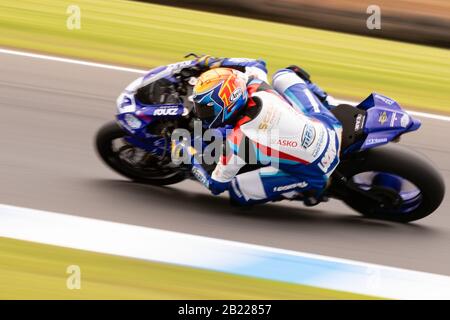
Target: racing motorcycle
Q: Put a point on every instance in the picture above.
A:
(375, 177)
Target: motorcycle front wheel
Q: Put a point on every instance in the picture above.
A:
(132, 162)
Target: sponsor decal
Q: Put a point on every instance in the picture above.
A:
(228, 91)
(126, 102)
(308, 136)
(235, 94)
(393, 118)
(165, 112)
(359, 122)
(404, 121)
(382, 118)
(385, 100)
(287, 143)
(319, 144)
(126, 126)
(375, 141)
(267, 119)
(301, 185)
(330, 154)
(132, 121)
(198, 174)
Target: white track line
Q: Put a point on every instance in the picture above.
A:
(220, 255)
(411, 112)
(429, 115)
(72, 61)
(141, 71)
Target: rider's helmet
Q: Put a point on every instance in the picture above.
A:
(219, 95)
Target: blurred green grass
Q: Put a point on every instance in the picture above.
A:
(35, 271)
(145, 35)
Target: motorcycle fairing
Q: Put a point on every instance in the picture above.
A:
(385, 120)
(165, 72)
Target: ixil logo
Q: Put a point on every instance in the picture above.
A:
(165, 112)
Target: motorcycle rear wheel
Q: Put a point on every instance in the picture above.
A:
(391, 167)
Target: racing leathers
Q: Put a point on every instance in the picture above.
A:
(286, 130)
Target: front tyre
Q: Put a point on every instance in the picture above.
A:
(132, 162)
(409, 185)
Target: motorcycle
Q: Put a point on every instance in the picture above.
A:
(375, 177)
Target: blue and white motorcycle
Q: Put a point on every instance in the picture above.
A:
(377, 178)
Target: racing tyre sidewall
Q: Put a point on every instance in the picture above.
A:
(407, 164)
(103, 142)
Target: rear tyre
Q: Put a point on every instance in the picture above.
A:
(150, 174)
(389, 164)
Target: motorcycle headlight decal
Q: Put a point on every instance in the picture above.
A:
(132, 121)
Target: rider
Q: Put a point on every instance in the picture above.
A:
(287, 125)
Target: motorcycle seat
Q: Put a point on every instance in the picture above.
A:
(352, 120)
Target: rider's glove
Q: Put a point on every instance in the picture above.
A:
(201, 64)
(182, 151)
(179, 154)
(204, 178)
(206, 62)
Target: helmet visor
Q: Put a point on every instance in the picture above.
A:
(204, 111)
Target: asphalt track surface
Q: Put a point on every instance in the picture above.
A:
(50, 112)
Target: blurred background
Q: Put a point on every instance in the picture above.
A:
(52, 110)
(419, 21)
(346, 65)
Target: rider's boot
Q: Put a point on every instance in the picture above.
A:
(318, 92)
